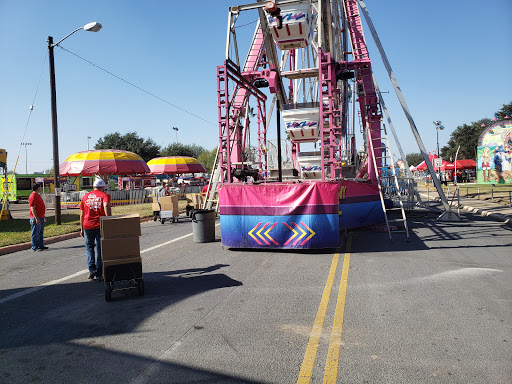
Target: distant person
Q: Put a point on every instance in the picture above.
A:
(94, 205)
(443, 179)
(37, 218)
(204, 191)
(163, 190)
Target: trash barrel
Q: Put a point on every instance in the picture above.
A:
(203, 225)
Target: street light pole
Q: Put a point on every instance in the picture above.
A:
(176, 129)
(439, 126)
(26, 156)
(55, 134)
(88, 137)
(93, 27)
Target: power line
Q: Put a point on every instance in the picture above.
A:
(245, 25)
(136, 86)
(31, 109)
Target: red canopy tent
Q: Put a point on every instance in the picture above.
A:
(465, 164)
(445, 167)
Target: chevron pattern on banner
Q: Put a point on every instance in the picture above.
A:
(257, 233)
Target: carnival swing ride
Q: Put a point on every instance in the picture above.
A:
(304, 63)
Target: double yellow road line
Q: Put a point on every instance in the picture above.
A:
(331, 365)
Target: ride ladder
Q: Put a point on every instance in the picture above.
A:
(330, 137)
(386, 181)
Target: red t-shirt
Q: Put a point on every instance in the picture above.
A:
(93, 206)
(34, 200)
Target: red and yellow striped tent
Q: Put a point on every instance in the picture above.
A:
(103, 162)
(175, 164)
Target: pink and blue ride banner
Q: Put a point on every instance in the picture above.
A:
(280, 215)
(360, 204)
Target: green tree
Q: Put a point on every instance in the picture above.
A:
(179, 149)
(145, 148)
(207, 158)
(466, 136)
(414, 158)
(504, 111)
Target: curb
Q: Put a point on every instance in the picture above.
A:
(491, 215)
(49, 240)
(494, 216)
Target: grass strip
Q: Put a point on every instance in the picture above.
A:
(17, 231)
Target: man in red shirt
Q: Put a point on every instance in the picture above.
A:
(37, 218)
(94, 205)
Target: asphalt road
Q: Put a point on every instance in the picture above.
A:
(437, 309)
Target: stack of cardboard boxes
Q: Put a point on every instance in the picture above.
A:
(195, 200)
(155, 206)
(168, 206)
(120, 241)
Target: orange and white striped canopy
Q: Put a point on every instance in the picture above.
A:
(175, 164)
(103, 162)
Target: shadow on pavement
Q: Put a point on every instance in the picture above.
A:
(377, 240)
(60, 363)
(78, 310)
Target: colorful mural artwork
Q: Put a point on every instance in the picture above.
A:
(494, 154)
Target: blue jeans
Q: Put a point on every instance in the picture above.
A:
(92, 239)
(37, 233)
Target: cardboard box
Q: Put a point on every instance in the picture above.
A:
(168, 199)
(109, 263)
(120, 248)
(155, 207)
(189, 197)
(168, 204)
(113, 227)
(169, 208)
(197, 201)
(155, 199)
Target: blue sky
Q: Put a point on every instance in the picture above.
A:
(452, 59)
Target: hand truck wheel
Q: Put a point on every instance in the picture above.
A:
(108, 291)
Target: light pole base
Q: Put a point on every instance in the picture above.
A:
(449, 216)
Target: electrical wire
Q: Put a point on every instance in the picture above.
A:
(31, 109)
(6, 196)
(245, 25)
(136, 86)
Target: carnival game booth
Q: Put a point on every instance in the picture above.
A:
(175, 165)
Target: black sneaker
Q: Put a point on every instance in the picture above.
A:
(43, 248)
(98, 278)
(92, 275)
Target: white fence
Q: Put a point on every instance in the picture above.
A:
(123, 197)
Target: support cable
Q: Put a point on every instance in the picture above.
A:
(450, 215)
(136, 86)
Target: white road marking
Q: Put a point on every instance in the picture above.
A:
(38, 287)
(53, 282)
(164, 244)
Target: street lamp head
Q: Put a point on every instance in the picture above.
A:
(92, 27)
(441, 127)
